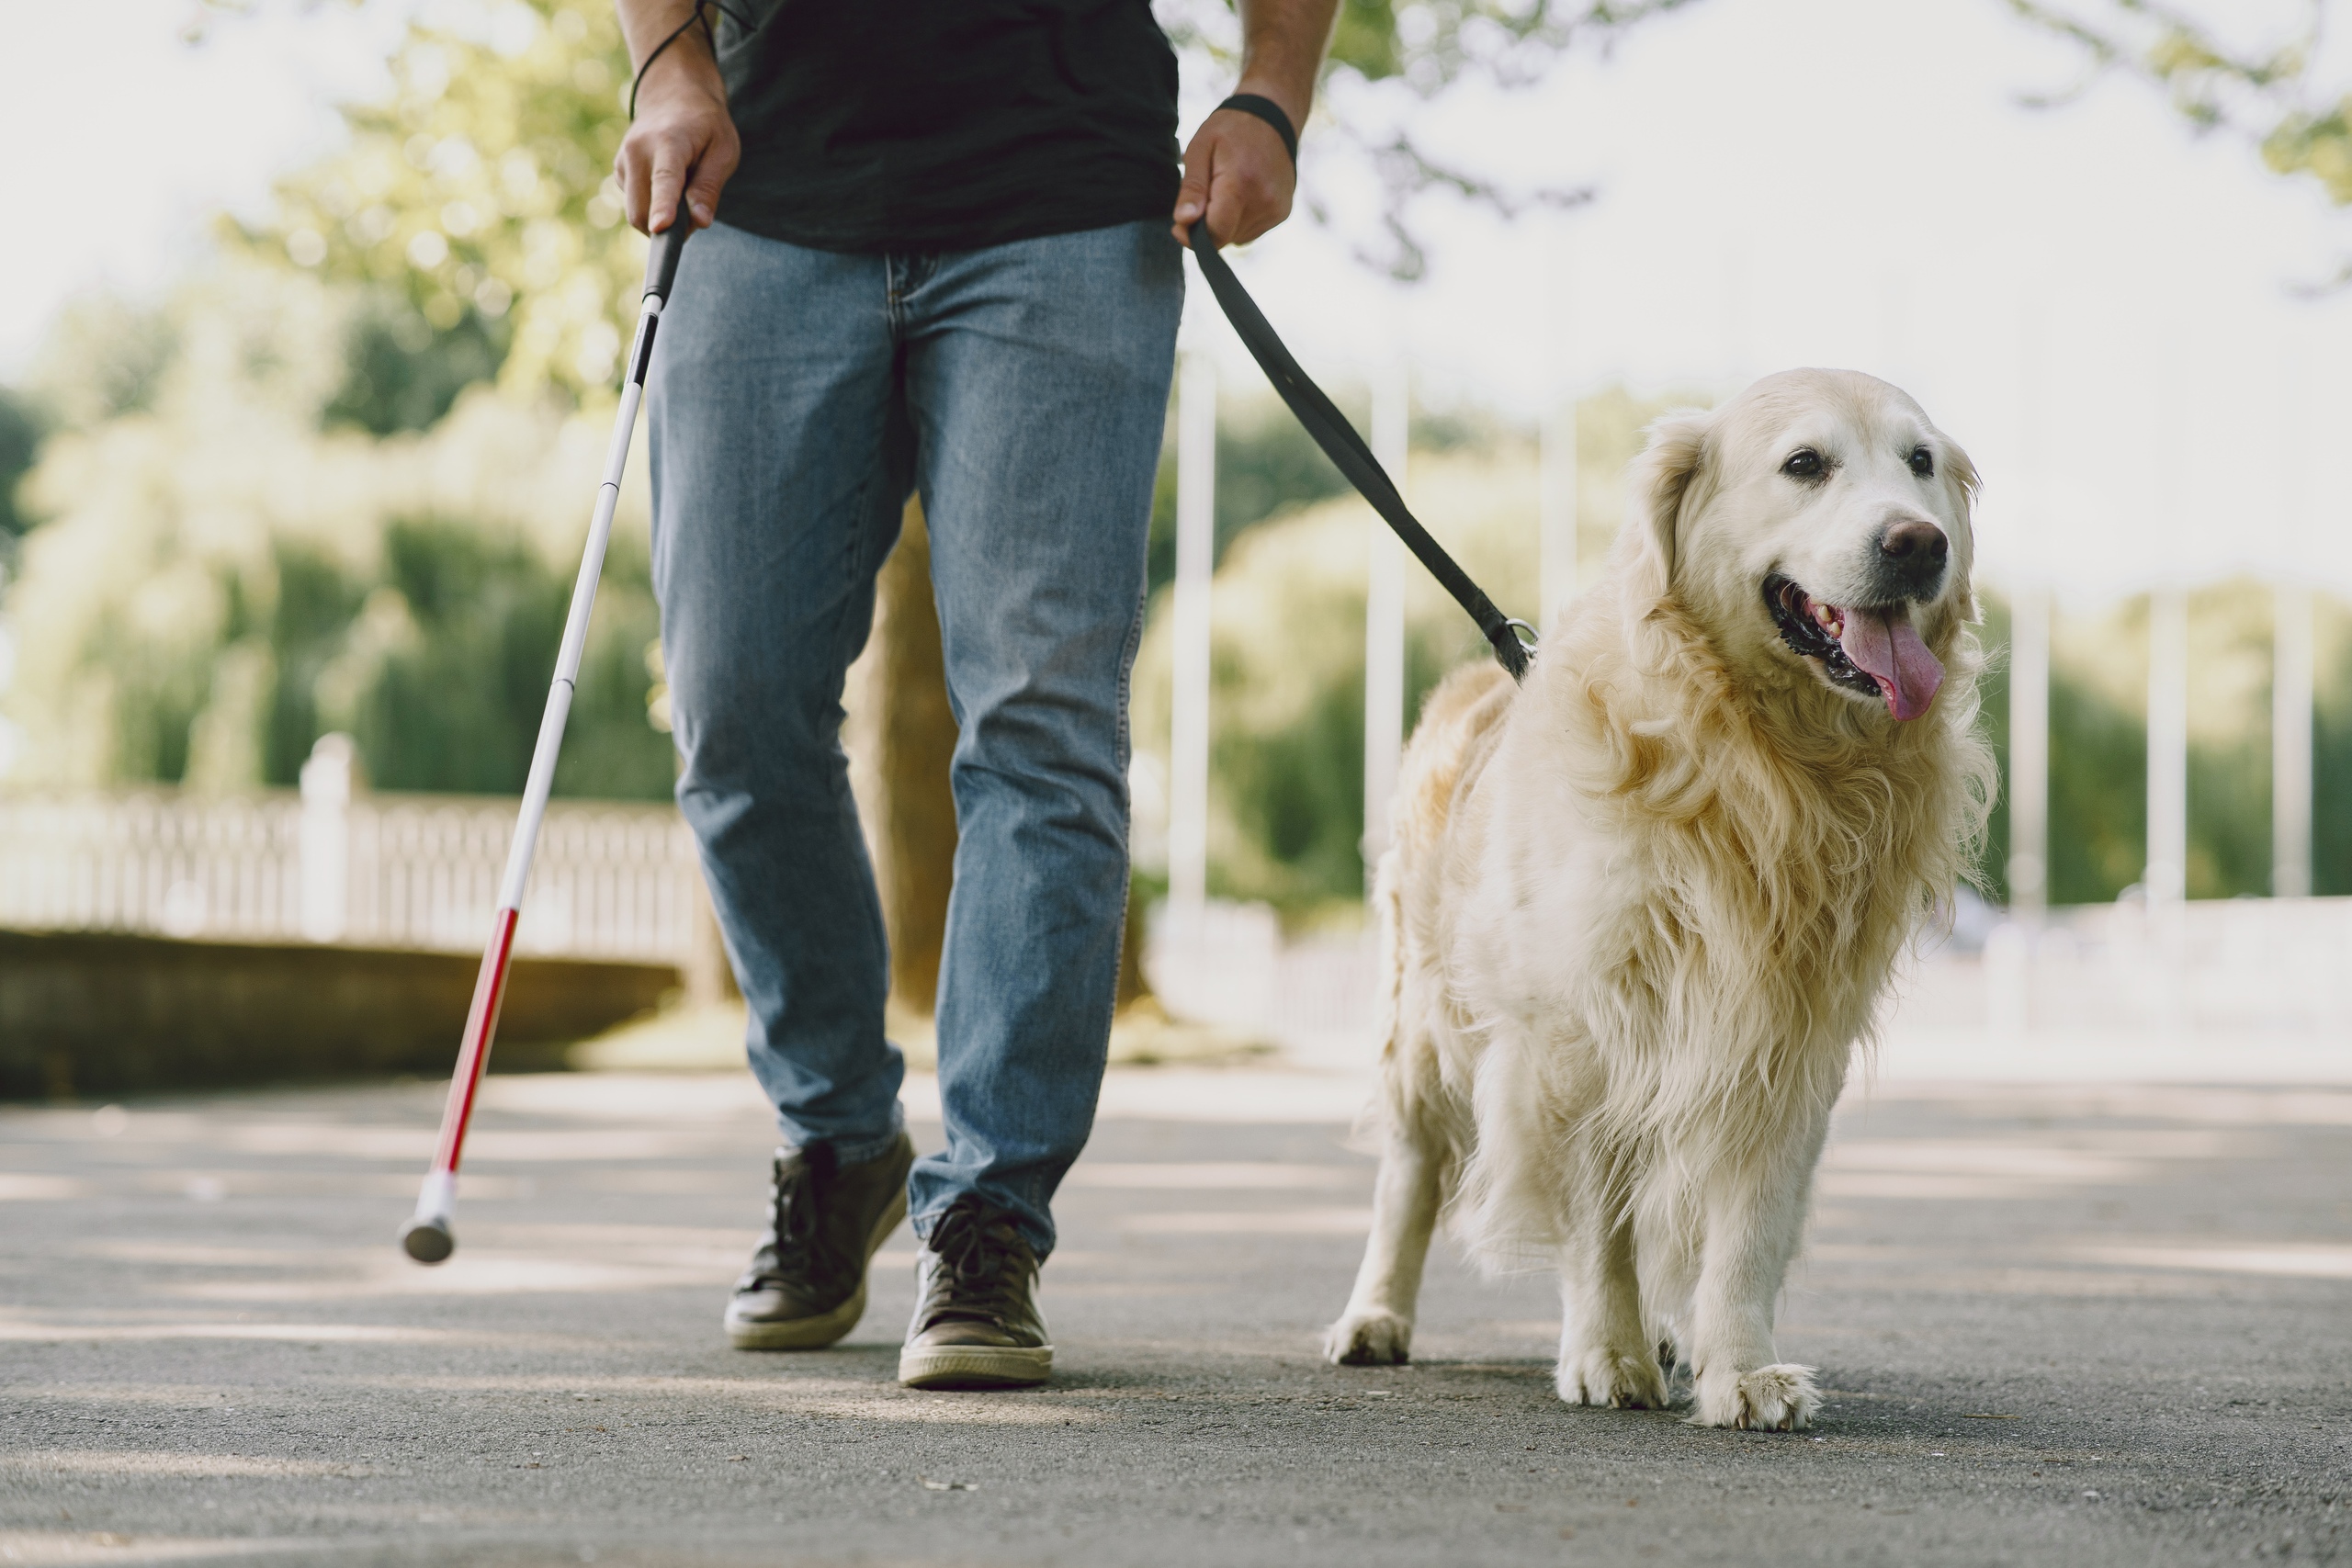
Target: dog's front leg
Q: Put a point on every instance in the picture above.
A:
(1377, 1327)
(1754, 1219)
(1607, 1356)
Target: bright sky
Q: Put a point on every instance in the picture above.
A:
(1781, 182)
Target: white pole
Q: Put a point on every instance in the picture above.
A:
(327, 778)
(2008, 948)
(1384, 623)
(2029, 868)
(2029, 612)
(2166, 879)
(1558, 570)
(2290, 650)
(1557, 509)
(1188, 784)
(2291, 741)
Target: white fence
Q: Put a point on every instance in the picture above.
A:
(2217, 976)
(2262, 964)
(1229, 965)
(611, 880)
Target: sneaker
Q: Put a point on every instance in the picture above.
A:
(976, 1324)
(806, 1287)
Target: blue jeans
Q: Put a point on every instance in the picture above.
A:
(795, 397)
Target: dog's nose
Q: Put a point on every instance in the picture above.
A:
(1911, 555)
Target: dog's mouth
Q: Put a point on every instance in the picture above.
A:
(1871, 651)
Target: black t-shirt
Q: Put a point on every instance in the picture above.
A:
(947, 125)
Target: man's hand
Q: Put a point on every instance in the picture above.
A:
(1236, 171)
(682, 128)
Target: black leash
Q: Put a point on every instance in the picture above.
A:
(1340, 443)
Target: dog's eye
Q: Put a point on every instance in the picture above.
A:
(1922, 462)
(1804, 463)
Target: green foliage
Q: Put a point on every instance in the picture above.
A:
(1430, 43)
(2332, 752)
(1425, 47)
(2265, 90)
(1363, 38)
(402, 375)
(1287, 607)
(2098, 793)
(1287, 687)
(477, 202)
(1266, 464)
(236, 558)
(104, 357)
(272, 506)
(20, 433)
(1286, 704)
(458, 609)
(2099, 758)
(215, 582)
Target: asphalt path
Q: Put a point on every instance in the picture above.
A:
(2063, 1326)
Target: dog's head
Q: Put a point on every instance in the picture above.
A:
(1819, 519)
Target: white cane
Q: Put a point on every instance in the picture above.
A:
(427, 1236)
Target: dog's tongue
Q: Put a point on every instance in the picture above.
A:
(1887, 649)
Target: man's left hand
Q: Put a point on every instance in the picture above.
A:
(1236, 171)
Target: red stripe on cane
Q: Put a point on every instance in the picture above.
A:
(482, 1023)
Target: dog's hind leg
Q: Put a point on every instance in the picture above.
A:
(1377, 1327)
(1608, 1355)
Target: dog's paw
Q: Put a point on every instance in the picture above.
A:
(1369, 1339)
(1781, 1398)
(1623, 1382)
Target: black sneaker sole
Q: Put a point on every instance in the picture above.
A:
(975, 1366)
(816, 1332)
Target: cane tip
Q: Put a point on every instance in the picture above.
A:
(428, 1241)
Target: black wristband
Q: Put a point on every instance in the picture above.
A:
(1272, 113)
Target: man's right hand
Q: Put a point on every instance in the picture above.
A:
(682, 128)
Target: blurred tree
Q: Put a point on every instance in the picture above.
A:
(401, 376)
(2099, 757)
(2332, 752)
(1287, 712)
(214, 581)
(20, 433)
(2220, 74)
(476, 203)
(1423, 49)
(477, 196)
(1286, 762)
(1266, 464)
(206, 621)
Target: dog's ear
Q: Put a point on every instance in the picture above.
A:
(1660, 483)
(1959, 473)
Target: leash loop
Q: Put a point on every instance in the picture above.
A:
(1513, 641)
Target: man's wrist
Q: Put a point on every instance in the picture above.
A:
(686, 69)
(1270, 112)
(1291, 99)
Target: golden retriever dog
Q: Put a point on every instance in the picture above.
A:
(1639, 911)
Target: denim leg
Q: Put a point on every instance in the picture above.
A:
(1037, 377)
(781, 456)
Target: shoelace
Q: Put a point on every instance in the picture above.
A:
(985, 1256)
(796, 1202)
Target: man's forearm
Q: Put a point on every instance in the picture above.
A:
(1282, 51)
(645, 23)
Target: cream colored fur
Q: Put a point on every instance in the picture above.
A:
(1640, 912)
